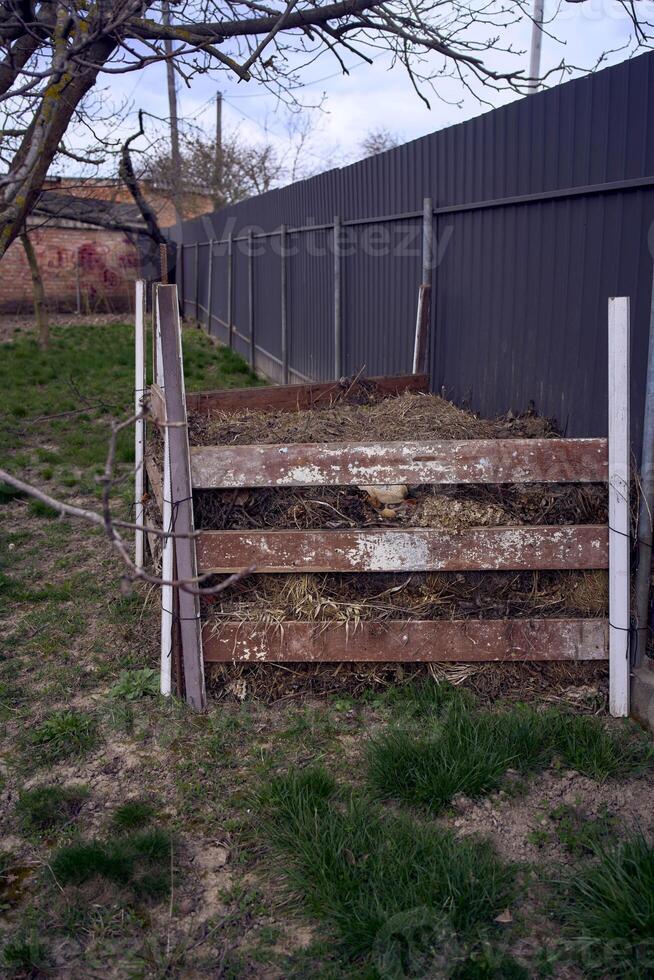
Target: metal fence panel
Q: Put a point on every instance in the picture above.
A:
(542, 209)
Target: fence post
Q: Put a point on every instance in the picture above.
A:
(139, 425)
(283, 288)
(646, 505)
(179, 279)
(181, 494)
(230, 291)
(619, 535)
(251, 300)
(427, 272)
(210, 286)
(197, 282)
(338, 302)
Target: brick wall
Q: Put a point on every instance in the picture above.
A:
(107, 262)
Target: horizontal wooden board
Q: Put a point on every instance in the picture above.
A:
(290, 398)
(405, 549)
(446, 461)
(281, 398)
(409, 641)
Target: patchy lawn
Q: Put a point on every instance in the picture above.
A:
(411, 831)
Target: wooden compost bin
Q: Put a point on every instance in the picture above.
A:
(365, 550)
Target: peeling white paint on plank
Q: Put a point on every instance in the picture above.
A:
(409, 641)
(405, 549)
(438, 462)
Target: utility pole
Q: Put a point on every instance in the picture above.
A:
(172, 111)
(219, 196)
(536, 43)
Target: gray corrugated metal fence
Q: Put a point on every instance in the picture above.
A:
(541, 210)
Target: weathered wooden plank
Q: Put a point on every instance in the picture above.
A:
(405, 549)
(290, 398)
(180, 494)
(409, 641)
(157, 404)
(281, 398)
(154, 478)
(445, 461)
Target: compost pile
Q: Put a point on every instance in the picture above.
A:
(361, 416)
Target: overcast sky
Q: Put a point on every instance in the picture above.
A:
(376, 95)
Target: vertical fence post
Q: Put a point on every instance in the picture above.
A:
(179, 278)
(197, 282)
(251, 300)
(427, 274)
(619, 538)
(338, 302)
(139, 425)
(646, 506)
(181, 495)
(284, 300)
(230, 290)
(168, 544)
(210, 287)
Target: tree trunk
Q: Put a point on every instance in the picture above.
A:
(39, 146)
(40, 308)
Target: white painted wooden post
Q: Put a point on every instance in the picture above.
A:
(619, 539)
(167, 565)
(168, 549)
(139, 427)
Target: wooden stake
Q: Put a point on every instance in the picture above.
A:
(139, 427)
(167, 566)
(421, 343)
(619, 535)
(181, 493)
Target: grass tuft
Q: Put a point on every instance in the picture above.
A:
(387, 885)
(460, 748)
(610, 911)
(24, 955)
(140, 861)
(135, 684)
(64, 734)
(133, 815)
(46, 807)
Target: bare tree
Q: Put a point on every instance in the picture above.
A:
(377, 141)
(247, 167)
(54, 52)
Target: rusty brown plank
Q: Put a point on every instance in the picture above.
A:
(405, 549)
(154, 479)
(409, 641)
(439, 462)
(290, 398)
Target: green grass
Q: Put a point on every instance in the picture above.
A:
(88, 371)
(461, 748)
(47, 807)
(581, 834)
(610, 911)
(64, 734)
(24, 955)
(391, 889)
(139, 862)
(133, 815)
(135, 684)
